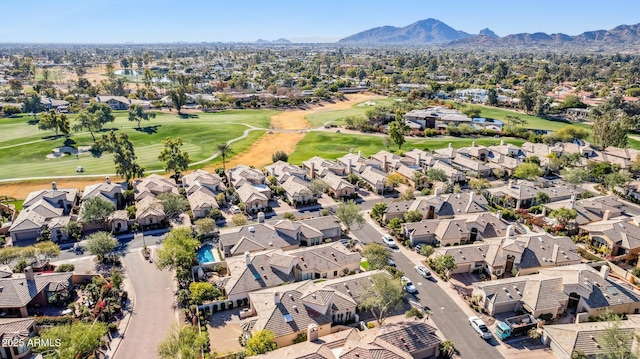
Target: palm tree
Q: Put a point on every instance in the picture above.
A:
(447, 349)
(224, 149)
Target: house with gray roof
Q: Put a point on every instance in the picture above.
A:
(45, 209)
(106, 190)
(25, 292)
(297, 191)
(17, 330)
(257, 237)
(242, 174)
(375, 178)
(338, 186)
(320, 167)
(201, 178)
(621, 236)
(566, 339)
(453, 174)
(592, 209)
(282, 171)
(471, 167)
(153, 186)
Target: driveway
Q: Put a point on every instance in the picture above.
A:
(152, 313)
(224, 330)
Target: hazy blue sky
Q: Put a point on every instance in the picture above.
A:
(64, 21)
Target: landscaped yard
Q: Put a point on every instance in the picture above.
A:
(24, 147)
(336, 117)
(333, 145)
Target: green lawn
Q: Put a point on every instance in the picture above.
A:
(199, 134)
(333, 145)
(337, 116)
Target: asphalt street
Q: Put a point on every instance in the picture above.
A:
(450, 319)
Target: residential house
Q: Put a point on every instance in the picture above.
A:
(471, 167)
(508, 164)
(389, 161)
(153, 186)
(413, 175)
(16, 330)
(298, 192)
(45, 209)
(375, 178)
(115, 102)
(242, 174)
(591, 210)
(325, 261)
(50, 104)
(201, 201)
(108, 191)
(356, 163)
(119, 221)
(320, 167)
(620, 236)
(329, 226)
(150, 213)
(396, 209)
(24, 293)
(258, 237)
(506, 149)
(289, 310)
(421, 158)
(201, 178)
(567, 339)
(251, 196)
(555, 289)
(480, 153)
(338, 186)
(407, 340)
(282, 171)
(453, 174)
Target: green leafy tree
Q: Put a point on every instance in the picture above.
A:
(173, 204)
(578, 354)
(9, 110)
(478, 184)
(224, 150)
(397, 129)
(427, 251)
(527, 96)
(408, 195)
(318, 187)
(615, 179)
(576, 176)
(33, 104)
(279, 156)
(124, 155)
(174, 158)
(48, 249)
(564, 215)
(78, 340)
(57, 122)
(138, 114)
(492, 97)
(412, 216)
(377, 255)
(101, 244)
(472, 112)
(205, 225)
(9, 254)
(614, 342)
(444, 264)
(261, 342)
(382, 297)
(178, 98)
(348, 214)
(97, 209)
(203, 291)
(528, 171)
(378, 210)
(182, 342)
(394, 179)
(239, 220)
(178, 250)
(610, 128)
(542, 198)
(436, 175)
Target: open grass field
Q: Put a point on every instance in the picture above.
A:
(336, 117)
(333, 145)
(24, 147)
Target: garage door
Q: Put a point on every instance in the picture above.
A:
(464, 268)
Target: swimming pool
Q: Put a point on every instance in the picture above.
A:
(205, 254)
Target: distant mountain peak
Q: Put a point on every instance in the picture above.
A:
(281, 41)
(487, 32)
(420, 32)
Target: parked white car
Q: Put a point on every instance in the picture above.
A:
(478, 325)
(423, 271)
(388, 240)
(235, 209)
(408, 285)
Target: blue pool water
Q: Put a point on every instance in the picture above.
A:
(205, 254)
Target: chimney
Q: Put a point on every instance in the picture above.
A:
(572, 203)
(108, 180)
(509, 230)
(359, 153)
(54, 186)
(501, 142)
(276, 298)
(260, 217)
(473, 144)
(419, 159)
(247, 258)
(450, 145)
(312, 332)
(510, 183)
(28, 273)
(385, 167)
(499, 214)
(349, 170)
(607, 215)
(312, 171)
(604, 271)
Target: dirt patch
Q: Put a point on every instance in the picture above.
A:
(259, 154)
(295, 119)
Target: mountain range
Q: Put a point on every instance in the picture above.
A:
(432, 31)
